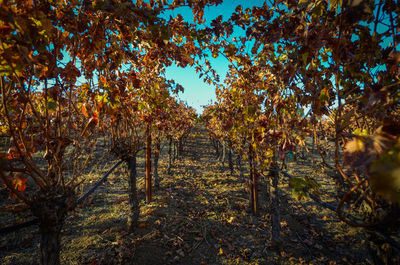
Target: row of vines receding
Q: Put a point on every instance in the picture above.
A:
(321, 73)
(75, 74)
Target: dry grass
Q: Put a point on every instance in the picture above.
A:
(198, 216)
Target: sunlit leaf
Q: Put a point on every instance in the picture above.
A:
(12, 153)
(355, 145)
(51, 104)
(324, 95)
(84, 111)
(19, 182)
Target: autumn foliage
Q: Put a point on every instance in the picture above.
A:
(72, 71)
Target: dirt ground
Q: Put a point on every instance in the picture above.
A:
(199, 215)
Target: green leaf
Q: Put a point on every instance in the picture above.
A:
(302, 186)
(251, 110)
(51, 104)
(318, 10)
(324, 95)
(5, 69)
(36, 22)
(304, 56)
(360, 132)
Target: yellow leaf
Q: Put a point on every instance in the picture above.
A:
(360, 132)
(355, 145)
(221, 252)
(232, 219)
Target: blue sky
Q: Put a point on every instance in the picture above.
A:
(196, 92)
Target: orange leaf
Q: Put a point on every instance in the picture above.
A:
(84, 111)
(94, 118)
(147, 212)
(142, 225)
(103, 79)
(32, 150)
(12, 153)
(4, 29)
(20, 183)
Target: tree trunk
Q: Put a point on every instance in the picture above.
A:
(250, 184)
(255, 192)
(216, 146)
(50, 242)
(51, 211)
(239, 163)
(314, 145)
(174, 151)
(230, 160)
(275, 214)
(223, 157)
(169, 156)
(180, 147)
(338, 178)
(268, 193)
(221, 151)
(148, 164)
(133, 197)
(155, 162)
(253, 183)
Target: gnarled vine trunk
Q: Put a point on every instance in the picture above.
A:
(230, 159)
(148, 164)
(133, 216)
(215, 143)
(253, 181)
(169, 155)
(50, 242)
(156, 157)
(174, 152)
(275, 213)
(223, 158)
(51, 211)
(180, 147)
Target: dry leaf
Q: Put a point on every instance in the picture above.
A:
(221, 252)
